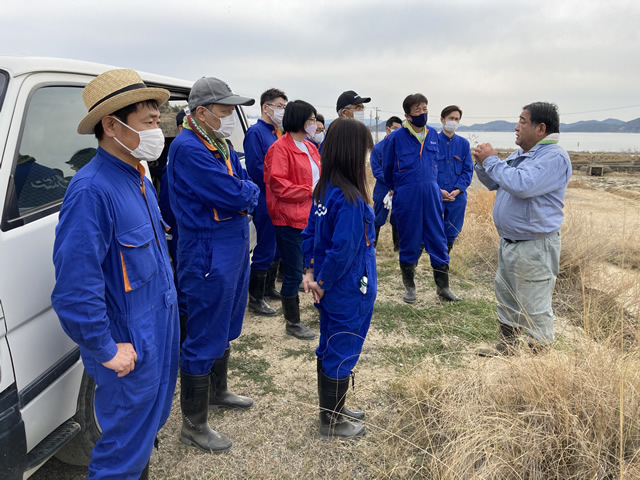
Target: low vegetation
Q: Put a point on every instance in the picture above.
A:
(435, 410)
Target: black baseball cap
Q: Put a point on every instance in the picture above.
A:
(350, 98)
(180, 117)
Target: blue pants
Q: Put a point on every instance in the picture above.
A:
(289, 241)
(264, 252)
(132, 409)
(345, 316)
(418, 209)
(172, 247)
(381, 213)
(214, 275)
(454, 216)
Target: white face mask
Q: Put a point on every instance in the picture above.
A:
(150, 146)
(278, 115)
(318, 138)
(451, 126)
(311, 129)
(359, 115)
(227, 125)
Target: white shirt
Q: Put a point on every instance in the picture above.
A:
(315, 172)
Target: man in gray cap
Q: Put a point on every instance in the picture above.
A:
(351, 105)
(211, 195)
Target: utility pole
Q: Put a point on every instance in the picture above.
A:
(377, 122)
(370, 119)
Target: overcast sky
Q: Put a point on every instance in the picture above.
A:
(490, 57)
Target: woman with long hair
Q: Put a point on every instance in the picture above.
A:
(340, 269)
(291, 170)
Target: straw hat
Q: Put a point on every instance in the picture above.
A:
(113, 90)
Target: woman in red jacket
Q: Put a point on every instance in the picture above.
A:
(291, 171)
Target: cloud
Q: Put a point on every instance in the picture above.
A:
(490, 57)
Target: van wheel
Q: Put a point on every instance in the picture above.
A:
(78, 450)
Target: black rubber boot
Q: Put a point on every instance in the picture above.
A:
(449, 246)
(333, 424)
(396, 238)
(145, 473)
(408, 271)
(291, 310)
(375, 242)
(194, 400)
(353, 414)
(219, 394)
(257, 304)
(441, 277)
(270, 290)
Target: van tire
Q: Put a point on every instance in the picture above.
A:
(78, 450)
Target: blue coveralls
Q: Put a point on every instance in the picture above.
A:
(410, 170)
(380, 190)
(114, 285)
(172, 243)
(455, 170)
(257, 141)
(318, 145)
(338, 243)
(211, 208)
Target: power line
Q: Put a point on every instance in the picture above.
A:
(603, 110)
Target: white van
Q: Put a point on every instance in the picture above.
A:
(46, 399)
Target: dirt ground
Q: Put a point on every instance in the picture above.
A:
(278, 437)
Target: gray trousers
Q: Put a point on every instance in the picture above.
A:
(524, 285)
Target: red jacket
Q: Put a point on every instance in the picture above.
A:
(289, 182)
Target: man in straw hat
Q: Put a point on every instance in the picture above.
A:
(211, 195)
(114, 291)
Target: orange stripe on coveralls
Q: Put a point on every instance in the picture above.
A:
(215, 215)
(142, 171)
(226, 160)
(127, 285)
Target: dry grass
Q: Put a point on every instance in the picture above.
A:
(475, 252)
(570, 413)
(562, 415)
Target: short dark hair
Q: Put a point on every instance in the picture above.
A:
(123, 114)
(544, 112)
(411, 100)
(393, 120)
(180, 117)
(270, 95)
(296, 114)
(446, 111)
(344, 155)
(320, 118)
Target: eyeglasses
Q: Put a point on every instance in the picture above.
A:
(277, 105)
(311, 119)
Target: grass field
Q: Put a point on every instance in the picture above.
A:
(434, 409)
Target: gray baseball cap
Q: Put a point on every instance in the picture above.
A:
(209, 90)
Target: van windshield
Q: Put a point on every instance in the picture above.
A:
(4, 80)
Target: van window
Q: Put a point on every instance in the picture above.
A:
(50, 150)
(4, 79)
